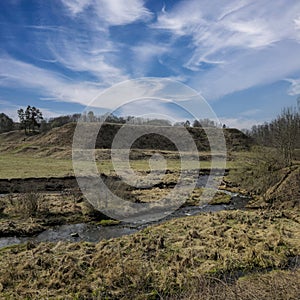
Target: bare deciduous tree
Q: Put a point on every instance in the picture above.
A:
(283, 133)
(285, 130)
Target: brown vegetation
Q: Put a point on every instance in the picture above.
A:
(26, 214)
(209, 256)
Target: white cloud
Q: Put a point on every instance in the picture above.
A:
(76, 6)
(120, 12)
(14, 73)
(95, 52)
(295, 87)
(179, 78)
(4, 102)
(239, 123)
(72, 54)
(252, 68)
(216, 29)
(112, 12)
(10, 112)
(297, 22)
(244, 43)
(151, 108)
(149, 88)
(51, 85)
(144, 54)
(9, 109)
(147, 51)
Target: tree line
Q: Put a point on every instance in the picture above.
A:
(282, 133)
(31, 120)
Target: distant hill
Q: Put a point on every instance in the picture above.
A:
(61, 138)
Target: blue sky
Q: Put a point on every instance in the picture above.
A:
(242, 56)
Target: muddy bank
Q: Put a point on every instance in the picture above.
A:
(44, 184)
(59, 202)
(19, 185)
(49, 184)
(49, 230)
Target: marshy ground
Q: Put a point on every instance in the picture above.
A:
(238, 254)
(252, 254)
(210, 256)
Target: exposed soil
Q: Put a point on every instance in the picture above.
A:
(19, 185)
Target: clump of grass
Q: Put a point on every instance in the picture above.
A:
(25, 204)
(220, 198)
(30, 203)
(211, 197)
(108, 222)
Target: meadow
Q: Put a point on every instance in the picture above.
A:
(248, 253)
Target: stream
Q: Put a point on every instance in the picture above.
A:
(95, 233)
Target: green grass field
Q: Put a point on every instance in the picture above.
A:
(15, 166)
(24, 166)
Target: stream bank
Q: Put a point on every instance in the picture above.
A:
(91, 232)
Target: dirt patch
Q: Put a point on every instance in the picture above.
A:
(49, 184)
(18, 185)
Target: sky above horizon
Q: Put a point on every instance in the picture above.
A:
(241, 56)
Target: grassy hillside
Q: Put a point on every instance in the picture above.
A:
(62, 138)
(49, 154)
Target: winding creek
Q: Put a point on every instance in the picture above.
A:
(95, 233)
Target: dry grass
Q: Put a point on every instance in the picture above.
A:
(180, 259)
(275, 285)
(26, 214)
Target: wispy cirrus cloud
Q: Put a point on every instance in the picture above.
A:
(250, 112)
(97, 61)
(119, 12)
(89, 48)
(113, 12)
(73, 49)
(249, 69)
(237, 40)
(145, 54)
(76, 6)
(14, 73)
(215, 29)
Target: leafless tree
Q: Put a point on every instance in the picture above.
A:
(285, 131)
